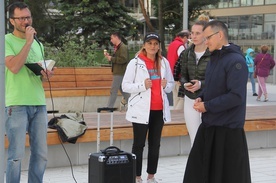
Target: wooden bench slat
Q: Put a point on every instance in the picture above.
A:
(59, 85)
(96, 70)
(66, 93)
(93, 77)
(94, 84)
(65, 71)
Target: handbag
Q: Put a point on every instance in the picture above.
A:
(255, 71)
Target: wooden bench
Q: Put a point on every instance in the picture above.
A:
(72, 82)
(123, 129)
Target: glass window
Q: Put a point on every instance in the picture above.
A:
(257, 26)
(244, 27)
(233, 27)
(234, 3)
(269, 26)
(270, 1)
(246, 2)
(223, 4)
(258, 2)
(270, 17)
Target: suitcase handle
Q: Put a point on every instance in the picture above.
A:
(111, 150)
(105, 109)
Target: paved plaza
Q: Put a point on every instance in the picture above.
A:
(171, 169)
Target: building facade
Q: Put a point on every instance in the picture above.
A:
(251, 23)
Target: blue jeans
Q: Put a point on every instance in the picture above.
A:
(252, 80)
(19, 120)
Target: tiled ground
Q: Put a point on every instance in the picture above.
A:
(171, 169)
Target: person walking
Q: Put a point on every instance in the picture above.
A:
(25, 110)
(263, 64)
(220, 152)
(179, 44)
(119, 60)
(194, 61)
(148, 79)
(249, 57)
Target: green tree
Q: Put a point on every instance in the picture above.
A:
(94, 20)
(173, 12)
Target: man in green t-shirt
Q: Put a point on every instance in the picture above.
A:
(25, 97)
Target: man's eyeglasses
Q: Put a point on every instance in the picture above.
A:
(209, 37)
(22, 19)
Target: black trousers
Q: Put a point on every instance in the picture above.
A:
(154, 131)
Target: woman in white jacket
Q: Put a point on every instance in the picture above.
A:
(148, 78)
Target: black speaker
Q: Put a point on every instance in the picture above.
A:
(112, 166)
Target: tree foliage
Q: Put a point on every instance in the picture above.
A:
(173, 12)
(94, 20)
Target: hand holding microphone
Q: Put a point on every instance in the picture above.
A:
(30, 31)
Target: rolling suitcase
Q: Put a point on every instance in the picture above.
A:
(110, 165)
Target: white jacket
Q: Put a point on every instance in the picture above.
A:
(139, 101)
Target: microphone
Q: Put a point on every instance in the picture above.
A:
(34, 36)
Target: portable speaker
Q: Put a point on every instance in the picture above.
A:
(112, 166)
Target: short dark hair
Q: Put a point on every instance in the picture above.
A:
(183, 34)
(217, 26)
(13, 6)
(118, 34)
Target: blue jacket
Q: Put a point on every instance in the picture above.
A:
(249, 60)
(224, 94)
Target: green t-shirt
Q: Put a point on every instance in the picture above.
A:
(23, 88)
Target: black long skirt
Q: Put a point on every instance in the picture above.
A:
(219, 155)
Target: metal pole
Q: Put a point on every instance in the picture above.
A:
(185, 14)
(2, 91)
(274, 70)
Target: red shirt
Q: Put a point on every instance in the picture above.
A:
(172, 51)
(156, 96)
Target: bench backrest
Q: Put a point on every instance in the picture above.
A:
(70, 77)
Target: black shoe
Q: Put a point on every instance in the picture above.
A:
(255, 94)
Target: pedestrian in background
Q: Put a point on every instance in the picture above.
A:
(249, 57)
(263, 64)
(179, 44)
(148, 79)
(119, 60)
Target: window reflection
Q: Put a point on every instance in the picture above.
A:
(246, 2)
(244, 27)
(270, 1)
(269, 26)
(257, 25)
(234, 3)
(233, 27)
(258, 2)
(223, 4)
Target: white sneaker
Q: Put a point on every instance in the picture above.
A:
(152, 180)
(139, 180)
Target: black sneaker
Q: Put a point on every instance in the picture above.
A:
(255, 94)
